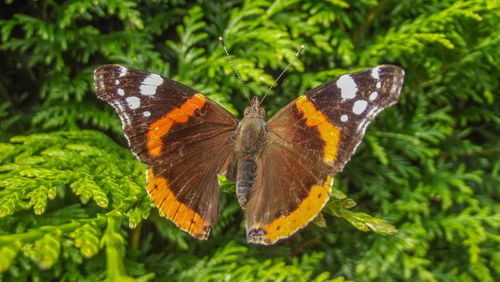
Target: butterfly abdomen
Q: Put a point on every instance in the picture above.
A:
(245, 178)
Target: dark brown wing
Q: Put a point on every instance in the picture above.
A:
(183, 136)
(308, 141)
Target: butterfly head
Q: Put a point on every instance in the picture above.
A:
(254, 110)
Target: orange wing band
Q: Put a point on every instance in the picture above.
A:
(181, 215)
(160, 128)
(329, 133)
(284, 226)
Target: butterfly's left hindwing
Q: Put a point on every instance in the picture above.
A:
(182, 135)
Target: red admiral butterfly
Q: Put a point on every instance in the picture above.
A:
(283, 167)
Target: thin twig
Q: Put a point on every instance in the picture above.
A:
(369, 20)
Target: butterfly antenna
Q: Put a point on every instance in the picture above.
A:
(234, 68)
(283, 72)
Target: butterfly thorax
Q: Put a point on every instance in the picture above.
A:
(249, 142)
(251, 128)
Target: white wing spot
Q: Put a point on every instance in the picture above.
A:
(347, 86)
(359, 106)
(123, 71)
(153, 79)
(376, 73)
(379, 85)
(120, 91)
(117, 81)
(133, 102)
(344, 118)
(149, 90)
(146, 113)
(373, 96)
(150, 83)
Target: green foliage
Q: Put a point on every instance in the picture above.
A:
(37, 171)
(233, 263)
(73, 203)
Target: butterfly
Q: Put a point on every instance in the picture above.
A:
(283, 167)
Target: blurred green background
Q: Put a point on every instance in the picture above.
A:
(72, 202)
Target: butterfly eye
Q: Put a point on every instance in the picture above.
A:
(262, 111)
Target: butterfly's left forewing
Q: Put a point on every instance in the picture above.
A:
(307, 142)
(180, 134)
